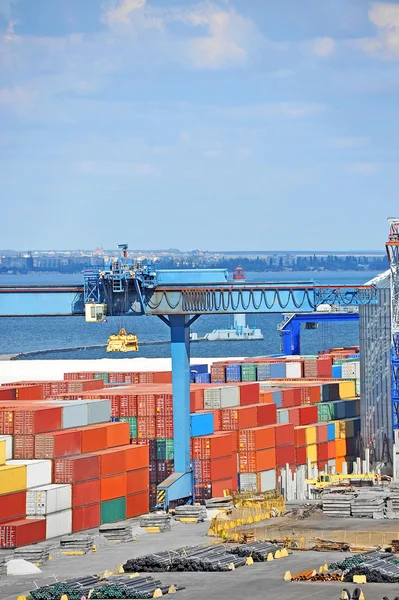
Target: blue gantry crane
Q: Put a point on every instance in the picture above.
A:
(178, 298)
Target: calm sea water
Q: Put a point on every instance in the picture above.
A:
(31, 333)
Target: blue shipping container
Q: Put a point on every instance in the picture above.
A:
(277, 370)
(263, 372)
(201, 424)
(233, 373)
(337, 371)
(331, 432)
(203, 378)
(199, 368)
(278, 399)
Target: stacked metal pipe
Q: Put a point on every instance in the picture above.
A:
(259, 551)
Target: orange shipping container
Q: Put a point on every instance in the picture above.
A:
(222, 467)
(137, 481)
(137, 504)
(112, 462)
(112, 487)
(212, 446)
(257, 438)
(253, 462)
(340, 448)
(137, 457)
(101, 437)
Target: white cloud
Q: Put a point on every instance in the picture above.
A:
(385, 17)
(364, 168)
(323, 47)
(120, 11)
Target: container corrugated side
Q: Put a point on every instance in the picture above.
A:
(99, 411)
(74, 414)
(59, 523)
(48, 499)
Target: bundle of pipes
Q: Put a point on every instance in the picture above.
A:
(114, 587)
(258, 551)
(194, 558)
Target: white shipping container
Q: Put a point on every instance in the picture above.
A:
(8, 439)
(283, 416)
(267, 480)
(38, 472)
(229, 396)
(248, 482)
(59, 523)
(98, 411)
(48, 499)
(293, 370)
(75, 414)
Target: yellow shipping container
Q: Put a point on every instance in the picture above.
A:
(12, 478)
(2, 452)
(347, 389)
(311, 452)
(311, 435)
(340, 430)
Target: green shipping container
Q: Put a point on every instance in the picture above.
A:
(101, 376)
(165, 449)
(113, 510)
(133, 425)
(248, 372)
(326, 411)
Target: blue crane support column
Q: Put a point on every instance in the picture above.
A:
(179, 485)
(291, 338)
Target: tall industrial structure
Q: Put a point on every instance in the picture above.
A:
(379, 355)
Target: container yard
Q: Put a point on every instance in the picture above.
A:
(91, 449)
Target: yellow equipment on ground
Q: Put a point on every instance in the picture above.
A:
(324, 479)
(123, 342)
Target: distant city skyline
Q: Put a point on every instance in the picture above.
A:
(198, 123)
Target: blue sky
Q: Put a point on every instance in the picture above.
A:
(221, 124)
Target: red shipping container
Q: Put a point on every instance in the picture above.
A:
(300, 456)
(163, 426)
(23, 532)
(284, 455)
(86, 517)
(137, 504)
(137, 481)
(308, 415)
(58, 444)
(324, 366)
(300, 436)
(213, 446)
(249, 393)
(24, 447)
(113, 487)
(146, 428)
(218, 487)
(85, 492)
(291, 397)
(257, 438)
(6, 422)
(76, 469)
(112, 462)
(321, 433)
(164, 404)
(222, 467)
(162, 377)
(267, 414)
(12, 506)
(293, 415)
(241, 417)
(29, 392)
(34, 421)
(137, 457)
(322, 451)
(284, 434)
(196, 400)
(146, 405)
(7, 393)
